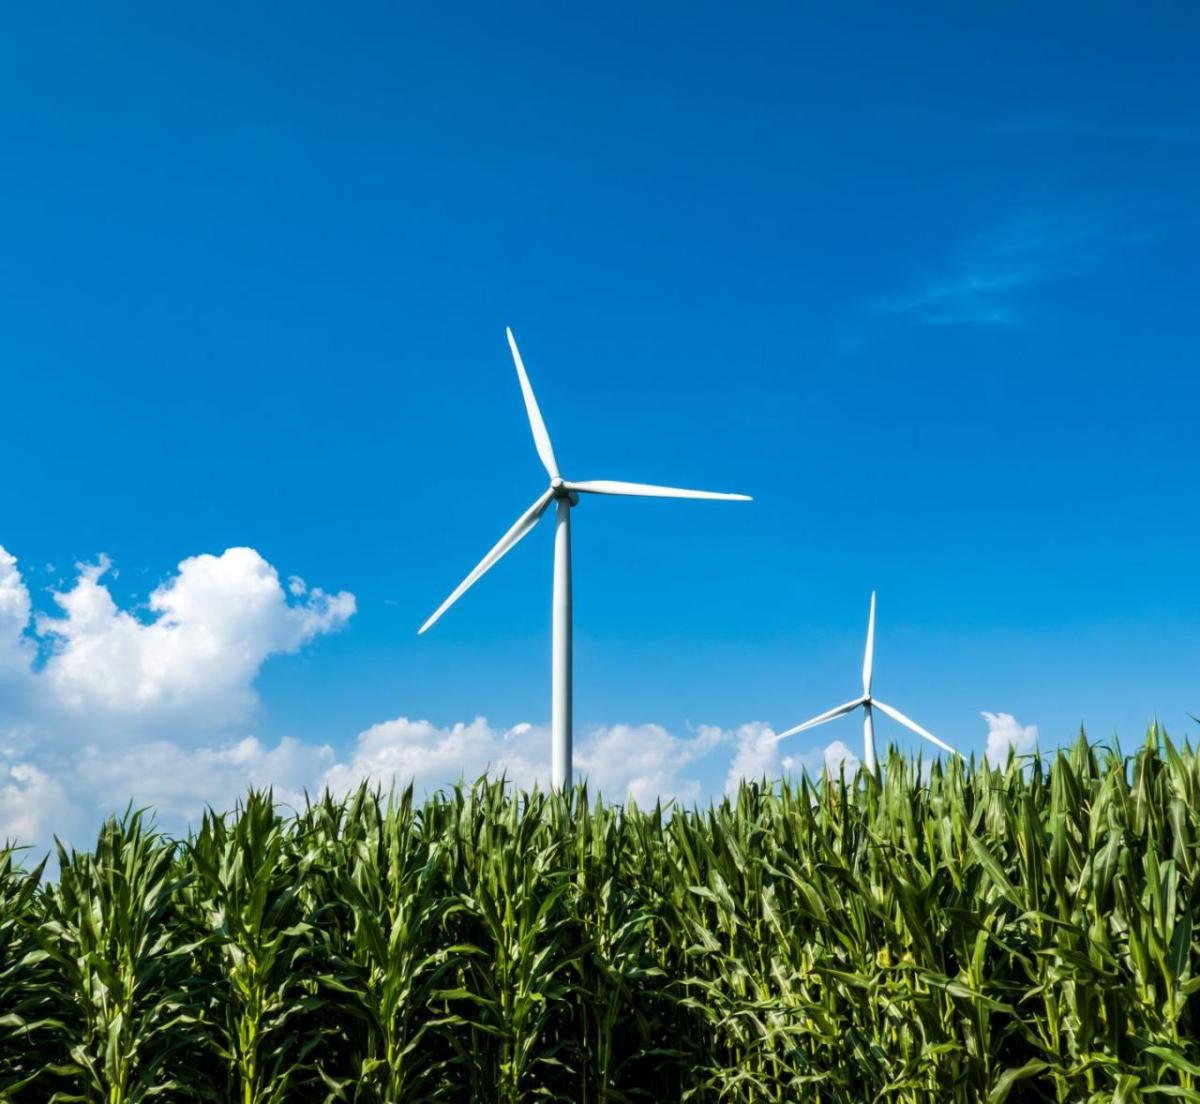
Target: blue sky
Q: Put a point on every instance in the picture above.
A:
(923, 282)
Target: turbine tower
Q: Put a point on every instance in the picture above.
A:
(868, 703)
(564, 495)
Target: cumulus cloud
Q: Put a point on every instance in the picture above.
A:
(837, 757)
(757, 755)
(179, 783)
(189, 663)
(69, 794)
(212, 627)
(833, 758)
(1005, 732)
(32, 804)
(643, 762)
(16, 652)
(401, 750)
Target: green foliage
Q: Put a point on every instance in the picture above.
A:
(945, 932)
(25, 983)
(257, 948)
(118, 973)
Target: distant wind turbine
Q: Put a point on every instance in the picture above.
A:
(868, 703)
(565, 494)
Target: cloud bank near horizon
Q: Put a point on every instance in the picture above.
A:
(167, 694)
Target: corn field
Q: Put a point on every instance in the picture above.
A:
(950, 932)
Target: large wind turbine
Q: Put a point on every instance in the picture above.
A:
(868, 703)
(565, 495)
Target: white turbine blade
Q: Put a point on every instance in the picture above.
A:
(541, 438)
(648, 490)
(869, 654)
(520, 528)
(896, 715)
(829, 715)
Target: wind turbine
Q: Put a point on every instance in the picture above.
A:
(868, 703)
(564, 494)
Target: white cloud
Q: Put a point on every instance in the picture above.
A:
(984, 283)
(837, 756)
(213, 626)
(429, 756)
(70, 794)
(833, 758)
(180, 782)
(189, 666)
(644, 762)
(33, 805)
(16, 652)
(757, 755)
(1005, 732)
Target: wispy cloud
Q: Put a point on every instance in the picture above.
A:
(987, 279)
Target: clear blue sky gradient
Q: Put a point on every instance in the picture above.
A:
(922, 279)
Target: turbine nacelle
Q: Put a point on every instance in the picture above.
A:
(561, 490)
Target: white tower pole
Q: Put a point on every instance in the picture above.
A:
(868, 737)
(868, 670)
(560, 660)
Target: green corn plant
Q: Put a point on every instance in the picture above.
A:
(125, 1012)
(259, 949)
(392, 956)
(963, 932)
(662, 1036)
(610, 917)
(25, 981)
(513, 982)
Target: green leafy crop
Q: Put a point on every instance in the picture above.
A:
(944, 932)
